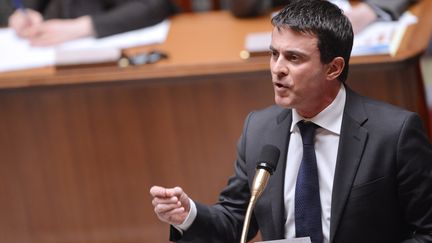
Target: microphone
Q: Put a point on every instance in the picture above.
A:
(265, 167)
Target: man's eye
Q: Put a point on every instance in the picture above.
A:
(274, 54)
(294, 58)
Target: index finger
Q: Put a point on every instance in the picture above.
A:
(158, 191)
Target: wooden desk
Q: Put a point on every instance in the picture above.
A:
(80, 147)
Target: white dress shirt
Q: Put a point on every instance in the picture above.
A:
(326, 148)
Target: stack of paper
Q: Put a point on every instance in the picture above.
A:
(382, 37)
(17, 53)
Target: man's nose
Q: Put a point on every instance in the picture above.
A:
(279, 67)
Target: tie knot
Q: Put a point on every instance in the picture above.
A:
(307, 130)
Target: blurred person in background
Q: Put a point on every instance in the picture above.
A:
(49, 22)
(361, 14)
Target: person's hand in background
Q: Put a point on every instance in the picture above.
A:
(25, 22)
(56, 31)
(361, 15)
(30, 25)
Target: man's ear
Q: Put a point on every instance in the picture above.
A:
(335, 68)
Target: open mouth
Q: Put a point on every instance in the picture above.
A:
(279, 85)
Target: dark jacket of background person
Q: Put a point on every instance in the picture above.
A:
(250, 8)
(108, 16)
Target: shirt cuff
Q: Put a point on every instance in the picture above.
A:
(189, 219)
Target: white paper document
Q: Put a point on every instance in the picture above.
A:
(382, 37)
(16, 53)
(296, 240)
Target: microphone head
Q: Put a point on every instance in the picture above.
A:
(269, 158)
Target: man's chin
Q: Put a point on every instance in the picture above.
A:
(282, 102)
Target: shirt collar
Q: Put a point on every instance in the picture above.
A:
(330, 118)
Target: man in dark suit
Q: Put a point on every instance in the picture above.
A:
(361, 14)
(48, 22)
(373, 160)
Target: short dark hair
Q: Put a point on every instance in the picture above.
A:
(324, 20)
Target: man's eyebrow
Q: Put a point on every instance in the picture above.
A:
(294, 52)
(288, 52)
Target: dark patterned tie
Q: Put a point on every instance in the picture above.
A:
(307, 198)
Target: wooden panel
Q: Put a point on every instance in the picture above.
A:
(400, 84)
(77, 161)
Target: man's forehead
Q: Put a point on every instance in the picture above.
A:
(287, 30)
(289, 37)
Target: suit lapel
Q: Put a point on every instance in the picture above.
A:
(351, 145)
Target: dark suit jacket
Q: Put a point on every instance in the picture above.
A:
(109, 16)
(382, 190)
(248, 8)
